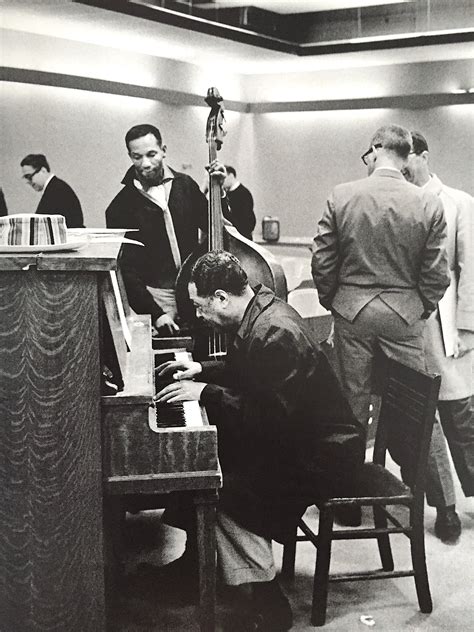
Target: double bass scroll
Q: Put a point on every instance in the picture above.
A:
(258, 263)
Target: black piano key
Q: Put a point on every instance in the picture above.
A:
(170, 415)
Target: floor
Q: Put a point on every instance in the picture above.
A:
(390, 604)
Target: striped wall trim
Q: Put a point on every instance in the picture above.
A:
(173, 97)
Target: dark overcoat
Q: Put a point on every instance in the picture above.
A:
(286, 432)
(59, 199)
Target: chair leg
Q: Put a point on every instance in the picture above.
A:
(418, 557)
(385, 550)
(321, 574)
(289, 555)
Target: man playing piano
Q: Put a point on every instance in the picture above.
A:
(286, 434)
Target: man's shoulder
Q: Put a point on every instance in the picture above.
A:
(58, 186)
(58, 183)
(182, 178)
(458, 196)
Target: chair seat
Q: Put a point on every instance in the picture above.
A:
(376, 485)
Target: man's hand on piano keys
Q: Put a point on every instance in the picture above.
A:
(183, 391)
(179, 369)
(165, 324)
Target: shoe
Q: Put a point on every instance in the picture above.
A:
(447, 525)
(271, 610)
(178, 579)
(348, 516)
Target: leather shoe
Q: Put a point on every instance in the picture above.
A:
(266, 609)
(178, 579)
(447, 525)
(271, 610)
(348, 516)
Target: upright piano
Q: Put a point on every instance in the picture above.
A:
(66, 448)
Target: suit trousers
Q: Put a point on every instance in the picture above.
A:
(457, 420)
(357, 344)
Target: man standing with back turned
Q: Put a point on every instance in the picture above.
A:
(380, 266)
(449, 333)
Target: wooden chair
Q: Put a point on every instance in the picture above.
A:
(404, 427)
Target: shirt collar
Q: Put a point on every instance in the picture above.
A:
(262, 298)
(168, 175)
(392, 172)
(234, 186)
(48, 181)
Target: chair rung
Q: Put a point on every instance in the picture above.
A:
(362, 534)
(376, 574)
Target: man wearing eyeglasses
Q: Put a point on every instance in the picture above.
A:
(57, 197)
(380, 265)
(449, 334)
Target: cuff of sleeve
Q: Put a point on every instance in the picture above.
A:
(467, 338)
(464, 320)
(210, 395)
(156, 313)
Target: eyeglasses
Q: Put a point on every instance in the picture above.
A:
(369, 151)
(29, 176)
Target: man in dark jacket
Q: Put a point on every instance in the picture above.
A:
(241, 212)
(57, 196)
(286, 433)
(168, 209)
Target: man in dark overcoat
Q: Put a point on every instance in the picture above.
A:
(286, 434)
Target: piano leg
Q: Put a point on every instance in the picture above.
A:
(205, 502)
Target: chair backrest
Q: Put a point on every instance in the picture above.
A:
(405, 424)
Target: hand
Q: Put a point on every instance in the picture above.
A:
(180, 392)
(463, 343)
(330, 339)
(180, 369)
(166, 324)
(217, 170)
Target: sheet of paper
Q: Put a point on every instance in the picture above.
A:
(447, 316)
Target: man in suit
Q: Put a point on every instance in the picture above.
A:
(449, 334)
(380, 265)
(240, 211)
(57, 196)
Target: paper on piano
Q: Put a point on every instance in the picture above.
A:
(118, 299)
(447, 317)
(104, 235)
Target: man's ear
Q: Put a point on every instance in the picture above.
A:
(221, 295)
(163, 149)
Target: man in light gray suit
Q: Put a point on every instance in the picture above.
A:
(380, 265)
(449, 333)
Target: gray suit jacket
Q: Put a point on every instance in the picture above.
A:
(381, 236)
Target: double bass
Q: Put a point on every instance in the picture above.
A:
(258, 263)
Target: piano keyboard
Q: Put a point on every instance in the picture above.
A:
(182, 414)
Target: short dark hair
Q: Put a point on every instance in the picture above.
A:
(37, 161)
(419, 143)
(138, 131)
(218, 270)
(393, 138)
(231, 170)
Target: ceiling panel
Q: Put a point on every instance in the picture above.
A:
(298, 6)
(361, 28)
